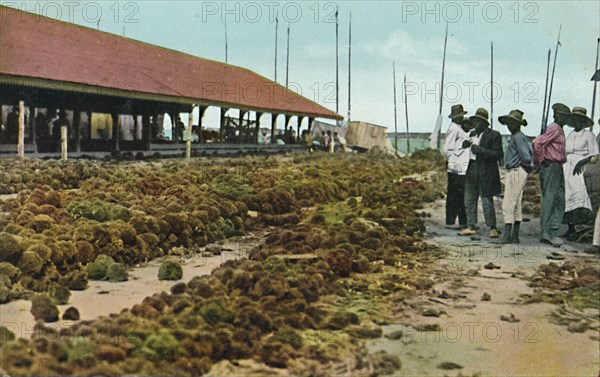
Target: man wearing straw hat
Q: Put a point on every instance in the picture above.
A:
(549, 153)
(519, 161)
(458, 161)
(488, 151)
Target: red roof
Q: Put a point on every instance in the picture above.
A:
(36, 47)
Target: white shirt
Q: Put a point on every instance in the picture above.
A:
(457, 156)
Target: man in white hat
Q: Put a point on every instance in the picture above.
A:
(518, 162)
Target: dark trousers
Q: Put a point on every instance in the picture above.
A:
(489, 212)
(455, 200)
(552, 182)
(472, 192)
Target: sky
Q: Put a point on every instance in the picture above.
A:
(409, 33)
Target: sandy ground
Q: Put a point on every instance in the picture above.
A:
(472, 334)
(102, 298)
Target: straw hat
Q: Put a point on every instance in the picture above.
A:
(457, 110)
(561, 109)
(580, 114)
(482, 114)
(516, 115)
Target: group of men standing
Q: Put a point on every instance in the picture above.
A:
(474, 151)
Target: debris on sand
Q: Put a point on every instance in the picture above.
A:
(491, 266)
(509, 318)
(486, 297)
(448, 365)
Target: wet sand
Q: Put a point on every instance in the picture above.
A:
(103, 298)
(472, 334)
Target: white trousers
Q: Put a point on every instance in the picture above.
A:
(513, 194)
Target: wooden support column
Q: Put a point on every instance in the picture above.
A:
(288, 118)
(32, 130)
(222, 126)
(175, 127)
(146, 131)
(89, 126)
(240, 125)
(64, 142)
(115, 130)
(201, 111)
(188, 142)
(273, 126)
(137, 126)
(310, 123)
(300, 120)
(21, 132)
(257, 128)
(77, 126)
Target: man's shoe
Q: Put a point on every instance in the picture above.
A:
(572, 237)
(554, 241)
(506, 237)
(495, 234)
(467, 232)
(453, 227)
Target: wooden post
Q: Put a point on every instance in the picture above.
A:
(115, 130)
(257, 128)
(240, 125)
(63, 142)
(77, 127)
(32, 130)
(201, 111)
(146, 131)
(175, 127)
(298, 127)
(188, 143)
(287, 118)
(273, 126)
(310, 122)
(222, 126)
(21, 133)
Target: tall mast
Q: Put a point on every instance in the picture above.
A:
(349, 65)
(439, 131)
(552, 80)
(226, 51)
(276, 30)
(492, 87)
(395, 109)
(287, 65)
(544, 120)
(406, 111)
(595, 82)
(337, 63)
